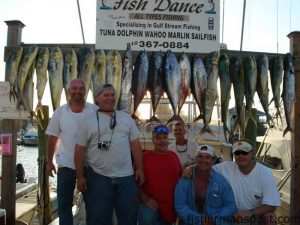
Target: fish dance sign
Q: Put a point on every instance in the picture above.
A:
(180, 25)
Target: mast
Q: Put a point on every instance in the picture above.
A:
(242, 34)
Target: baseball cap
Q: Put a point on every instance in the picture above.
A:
(206, 149)
(242, 145)
(160, 129)
(101, 88)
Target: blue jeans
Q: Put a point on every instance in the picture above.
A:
(66, 180)
(147, 216)
(106, 193)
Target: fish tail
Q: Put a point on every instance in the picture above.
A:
(174, 119)
(39, 109)
(287, 130)
(198, 118)
(153, 119)
(226, 131)
(136, 119)
(206, 129)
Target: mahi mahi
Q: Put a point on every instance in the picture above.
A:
(69, 70)
(250, 71)
(114, 71)
(288, 93)
(99, 73)
(55, 71)
(236, 72)
(263, 84)
(41, 75)
(225, 84)
(11, 70)
(86, 60)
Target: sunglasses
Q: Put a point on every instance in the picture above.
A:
(160, 129)
(204, 148)
(241, 153)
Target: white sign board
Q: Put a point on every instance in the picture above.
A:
(180, 25)
(8, 107)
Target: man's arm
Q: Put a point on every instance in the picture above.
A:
(137, 154)
(258, 211)
(147, 200)
(51, 147)
(79, 165)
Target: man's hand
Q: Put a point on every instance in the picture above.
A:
(81, 184)
(139, 176)
(187, 172)
(151, 203)
(241, 216)
(51, 169)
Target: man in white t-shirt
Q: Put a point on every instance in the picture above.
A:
(62, 129)
(106, 139)
(185, 149)
(253, 186)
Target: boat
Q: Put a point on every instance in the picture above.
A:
(30, 137)
(274, 151)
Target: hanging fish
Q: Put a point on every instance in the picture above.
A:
(99, 74)
(126, 93)
(69, 70)
(211, 93)
(139, 81)
(173, 84)
(225, 85)
(185, 70)
(236, 72)
(276, 72)
(114, 71)
(288, 93)
(198, 84)
(155, 83)
(250, 71)
(42, 60)
(11, 70)
(86, 60)
(55, 72)
(28, 58)
(263, 83)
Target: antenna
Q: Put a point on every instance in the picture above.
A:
(242, 35)
(80, 22)
(223, 21)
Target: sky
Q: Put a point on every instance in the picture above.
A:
(57, 21)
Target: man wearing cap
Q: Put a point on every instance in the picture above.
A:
(253, 185)
(61, 143)
(106, 139)
(162, 170)
(206, 197)
(185, 149)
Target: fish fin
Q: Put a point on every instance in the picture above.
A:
(153, 119)
(198, 118)
(206, 129)
(136, 119)
(287, 130)
(39, 108)
(271, 101)
(226, 131)
(175, 119)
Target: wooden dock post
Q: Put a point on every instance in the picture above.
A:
(8, 184)
(295, 154)
(44, 203)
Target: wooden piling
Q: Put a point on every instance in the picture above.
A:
(295, 154)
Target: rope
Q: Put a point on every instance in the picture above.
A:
(79, 13)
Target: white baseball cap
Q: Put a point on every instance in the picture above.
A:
(242, 145)
(206, 149)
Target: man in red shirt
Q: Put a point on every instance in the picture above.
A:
(162, 170)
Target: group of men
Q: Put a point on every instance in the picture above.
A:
(98, 148)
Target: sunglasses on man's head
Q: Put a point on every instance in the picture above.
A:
(161, 129)
(203, 148)
(241, 153)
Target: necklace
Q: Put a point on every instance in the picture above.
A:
(181, 150)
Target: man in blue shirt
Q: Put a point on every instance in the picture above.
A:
(206, 198)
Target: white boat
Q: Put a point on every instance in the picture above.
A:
(274, 151)
(30, 137)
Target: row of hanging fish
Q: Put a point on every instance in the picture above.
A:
(162, 73)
